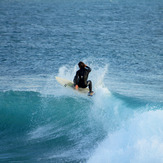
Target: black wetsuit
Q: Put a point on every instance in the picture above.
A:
(81, 77)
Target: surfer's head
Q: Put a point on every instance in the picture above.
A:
(81, 65)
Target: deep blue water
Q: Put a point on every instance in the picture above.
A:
(122, 41)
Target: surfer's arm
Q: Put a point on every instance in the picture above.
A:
(76, 79)
(88, 68)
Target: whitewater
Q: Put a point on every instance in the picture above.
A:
(41, 121)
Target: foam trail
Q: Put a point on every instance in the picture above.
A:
(140, 140)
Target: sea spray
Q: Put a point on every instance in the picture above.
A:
(96, 75)
(139, 140)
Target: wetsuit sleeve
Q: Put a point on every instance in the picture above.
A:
(76, 78)
(88, 69)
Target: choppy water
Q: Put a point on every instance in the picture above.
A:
(121, 41)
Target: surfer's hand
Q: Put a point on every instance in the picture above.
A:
(76, 87)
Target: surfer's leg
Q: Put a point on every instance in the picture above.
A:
(89, 84)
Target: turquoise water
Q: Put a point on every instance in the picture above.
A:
(41, 121)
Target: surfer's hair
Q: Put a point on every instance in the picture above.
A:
(81, 64)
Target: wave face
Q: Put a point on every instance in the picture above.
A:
(37, 128)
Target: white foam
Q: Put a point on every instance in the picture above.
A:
(49, 131)
(140, 140)
(40, 132)
(67, 72)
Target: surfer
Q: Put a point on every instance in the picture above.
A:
(80, 79)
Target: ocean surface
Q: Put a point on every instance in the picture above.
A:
(41, 121)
